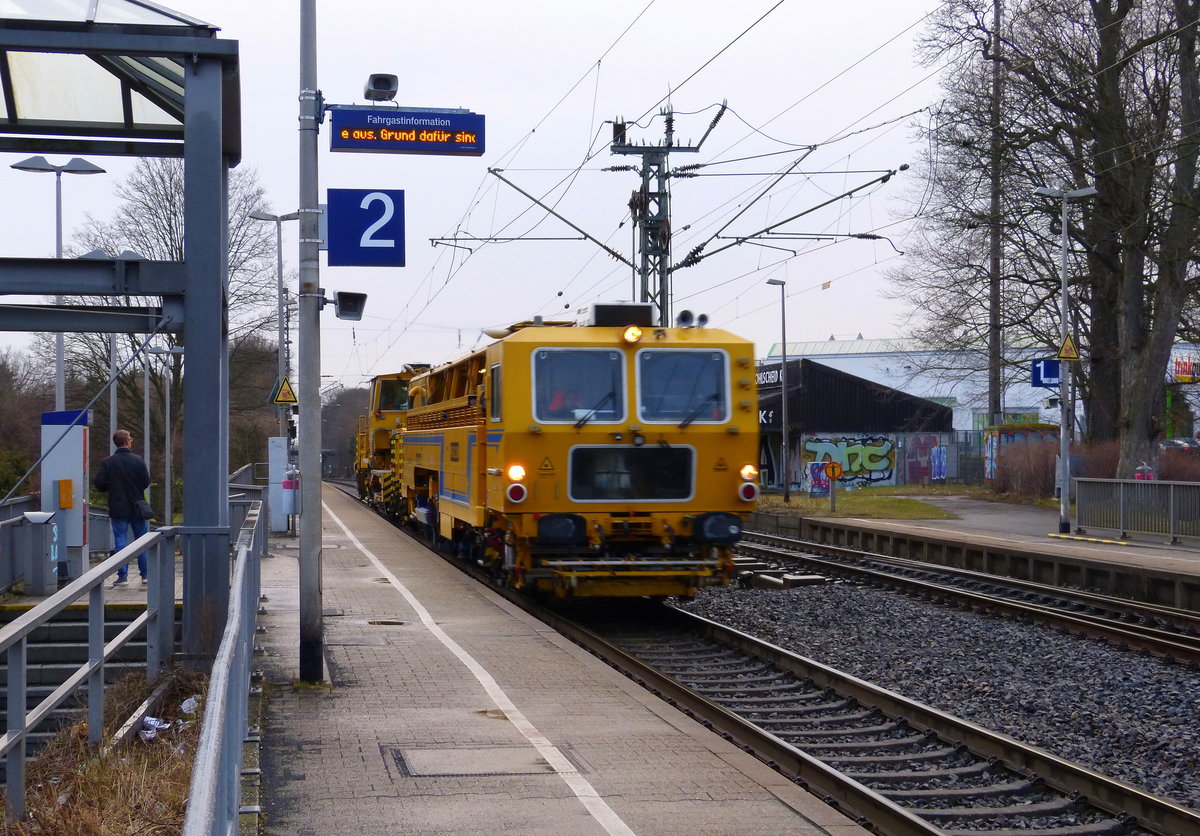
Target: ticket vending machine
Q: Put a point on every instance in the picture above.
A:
(65, 482)
(281, 494)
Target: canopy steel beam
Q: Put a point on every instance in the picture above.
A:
(91, 319)
(94, 41)
(88, 147)
(90, 277)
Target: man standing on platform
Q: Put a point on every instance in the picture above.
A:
(124, 476)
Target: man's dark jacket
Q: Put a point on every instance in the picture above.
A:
(124, 476)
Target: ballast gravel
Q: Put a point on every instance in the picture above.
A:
(1124, 714)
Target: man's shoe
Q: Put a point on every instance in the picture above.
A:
(121, 582)
(145, 580)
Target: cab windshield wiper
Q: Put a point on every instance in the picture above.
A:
(587, 416)
(698, 408)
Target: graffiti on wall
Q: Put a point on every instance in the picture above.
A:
(865, 460)
(924, 453)
(997, 438)
(938, 463)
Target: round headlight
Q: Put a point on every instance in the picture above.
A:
(632, 334)
(516, 472)
(749, 472)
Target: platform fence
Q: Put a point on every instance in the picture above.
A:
(214, 797)
(158, 622)
(1139, 506)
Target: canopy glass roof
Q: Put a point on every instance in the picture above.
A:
(95, 11)
(101, 68)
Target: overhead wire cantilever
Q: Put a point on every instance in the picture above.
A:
(496, 173)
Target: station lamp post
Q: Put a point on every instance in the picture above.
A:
(1064, 380)
(783, 390)
(282, 414)
(75, 165)
(168, 492)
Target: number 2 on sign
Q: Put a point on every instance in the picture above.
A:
(389, 209)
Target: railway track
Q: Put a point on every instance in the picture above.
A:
(1163, 631)
(899, 765)
(896, 765)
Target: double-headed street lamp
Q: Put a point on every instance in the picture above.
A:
(783, 398)
(282, 371)
(75, 165)
(169, 494)
(1064, 379)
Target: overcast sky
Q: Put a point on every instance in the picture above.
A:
(549, 77)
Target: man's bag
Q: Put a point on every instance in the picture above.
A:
(144, 510)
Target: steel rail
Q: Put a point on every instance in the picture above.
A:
(1163, 643)
(1190, 618)
(1156, 813)
(849, 796)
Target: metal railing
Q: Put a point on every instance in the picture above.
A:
(158, 621)
(215, 791)
(12, 513)
(1144, 507)
(214, 797)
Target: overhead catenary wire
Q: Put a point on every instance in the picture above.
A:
(448, 265)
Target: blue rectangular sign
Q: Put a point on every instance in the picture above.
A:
(366, 227)
(1046, 373)
(406, 131)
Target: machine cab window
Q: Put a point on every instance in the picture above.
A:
(496, 388)
(578, 385)
(683, 386)
(393, 395)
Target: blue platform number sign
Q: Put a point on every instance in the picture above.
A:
(366, 227)
(1046, 373)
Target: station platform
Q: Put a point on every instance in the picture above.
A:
(449, 711)
(1036, 529)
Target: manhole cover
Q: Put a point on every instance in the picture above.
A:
(522, 760)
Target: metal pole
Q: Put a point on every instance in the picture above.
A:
(281, 412)
(112, 392)
(60, 372)
(311, 639)
(1064, 386)
(995, 343)
(146, 405)
(783, 388)
(783, 391)
(168, 511)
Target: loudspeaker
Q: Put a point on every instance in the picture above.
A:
(381, 87)
(349, 305)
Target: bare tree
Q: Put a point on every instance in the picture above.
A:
(339, 421)
(149, 221)
(1102, 93)
(26, 392)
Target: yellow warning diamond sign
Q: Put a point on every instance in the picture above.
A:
(1068, 351)
(284, 395)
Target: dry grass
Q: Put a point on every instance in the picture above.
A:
(865, 503)
(891, 502)
(141, 787)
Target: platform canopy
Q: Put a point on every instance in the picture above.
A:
(109, 74)
(132, 78)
